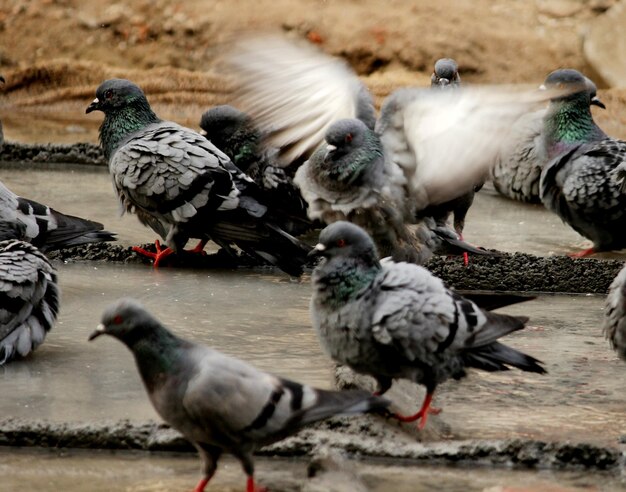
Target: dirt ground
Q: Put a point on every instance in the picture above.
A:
(54, 53)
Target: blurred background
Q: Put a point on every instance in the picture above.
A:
(54, 53)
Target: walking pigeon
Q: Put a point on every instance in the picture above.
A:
(518, 166)
(444, 141)
(46, 228)
(233, 132)
(180, 185)
(615, 314)
(218, 402)
(28, 291)
(578, 183)
(353, 179)
(396, 320)
(446, 74)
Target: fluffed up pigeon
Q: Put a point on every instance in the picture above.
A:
(517, 170)
(46, 228)
(352, 178)
(445, 74)
(182, 186)
(218, 402)
(444, 141)
(579, 182)
(396, 320)
(614, 327)
(29, 295)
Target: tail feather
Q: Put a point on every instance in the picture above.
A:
(349, 402)
(451, 245)
(498, 357)
(494, 300)
(71, 231)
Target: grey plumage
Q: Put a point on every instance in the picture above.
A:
(614, 326)
(578, 183)
(216, 401)
(46, 228)
(354, 179)
(396, 320)
(29, 295)
(182, 186)
(517, 169)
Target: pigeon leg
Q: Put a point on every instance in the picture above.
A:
(199, 249)
(252, 487)
(383, 385)
(158, 256)
(465, 254)
(422, 414)
(201, 484)
(583, 253)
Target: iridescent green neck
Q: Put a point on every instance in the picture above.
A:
(119, 123)
(569, 123)
(351, 168)
(342, 280)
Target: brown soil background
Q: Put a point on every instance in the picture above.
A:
(54, 53)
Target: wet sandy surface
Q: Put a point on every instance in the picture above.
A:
(74, 471)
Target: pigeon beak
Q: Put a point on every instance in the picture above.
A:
(100, 330)
(317, 250)
(95, 104)
(330, 149)
(442, 82)
(542, 87)
(595, 100)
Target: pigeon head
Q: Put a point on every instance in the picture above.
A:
(344, 239)
(126, 320)
(577, 87)
(222, 120)
(115, 94)
(446, 73)
(345, 135)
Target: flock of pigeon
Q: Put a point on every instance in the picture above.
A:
(305, 151)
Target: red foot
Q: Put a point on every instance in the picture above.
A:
(582, 254)
(422, 414)
(465, 259)
(199, 249)
(158, 256)
(252, 487)
(201, 484)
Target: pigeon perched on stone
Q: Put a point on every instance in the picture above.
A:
(182, 186)
(444, 141)
(46, 228)
(218, 402)
(615, 314)
(29, 293)
(233, 132)
(396, 320)
(353, 179)
(578, 183)
(518, 166)
(446, 74)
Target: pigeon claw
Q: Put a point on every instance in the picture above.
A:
(422, 415)
(583, 253)
(465, 259)
(199, 249)
(252, 487)
(158, 256)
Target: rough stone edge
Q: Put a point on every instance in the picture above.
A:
(35, 155)
(152, 436)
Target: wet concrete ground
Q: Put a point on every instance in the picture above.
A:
(263, 318)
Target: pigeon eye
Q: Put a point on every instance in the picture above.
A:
(348, 138)
(341, 243)
(108, 94)
(117, 320)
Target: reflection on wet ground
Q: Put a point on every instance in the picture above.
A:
(74, 471)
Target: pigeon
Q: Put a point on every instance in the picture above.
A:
(353, 179)
(444, 141)
(182, 186)
(518, 166)
(29, 292)
(46, 228)
(446, 74)
(396, 320)
(234, 133)
(580, 182)
(615, 314)
(218, 402)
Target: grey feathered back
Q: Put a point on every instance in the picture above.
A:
(29, 298)
(614, 327)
